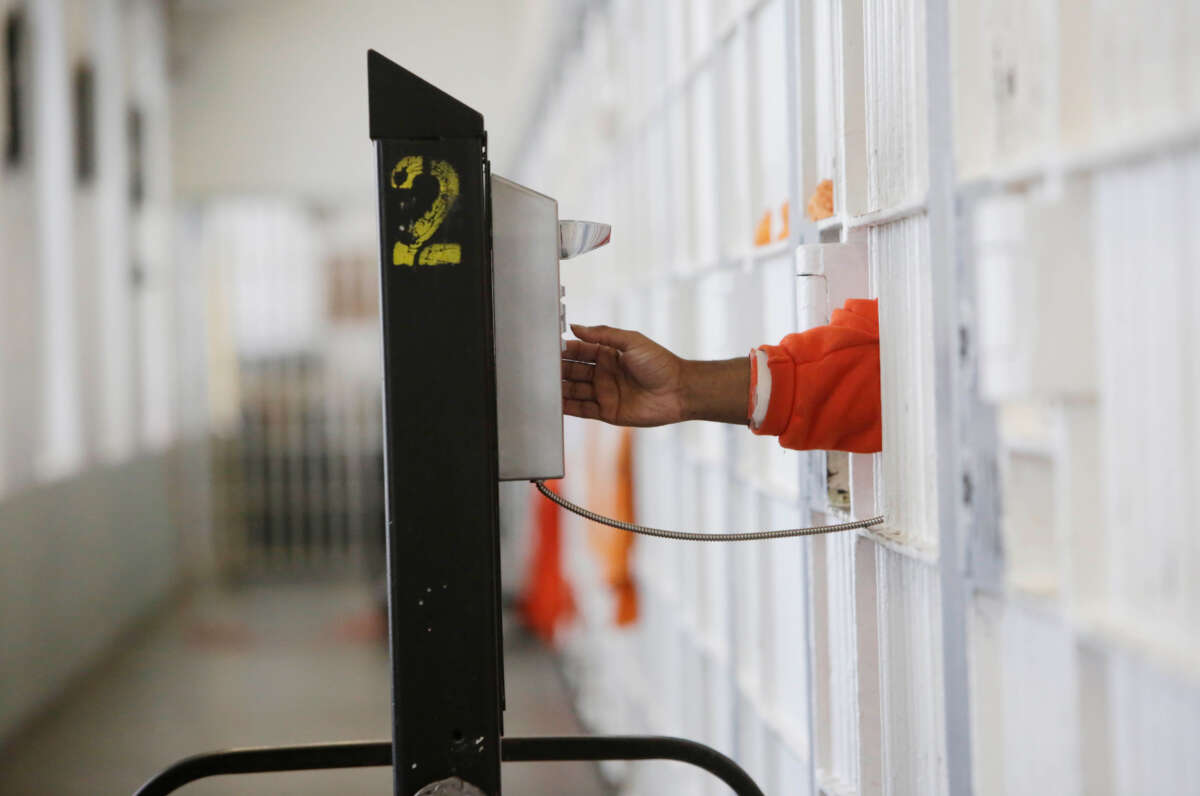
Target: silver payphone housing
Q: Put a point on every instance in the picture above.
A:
(528, 241)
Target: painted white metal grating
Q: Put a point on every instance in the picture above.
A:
(1023, 180)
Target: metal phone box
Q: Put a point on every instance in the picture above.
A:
(528, 241)
(528, 317)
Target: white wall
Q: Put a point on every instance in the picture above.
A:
(88, 556)
(1019, 186)
(101, 462)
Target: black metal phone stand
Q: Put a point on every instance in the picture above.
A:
(512, 750)
(441, 473)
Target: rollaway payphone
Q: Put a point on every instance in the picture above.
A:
(472, 322)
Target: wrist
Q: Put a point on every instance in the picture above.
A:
(716, 390)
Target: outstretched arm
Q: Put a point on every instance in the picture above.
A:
(816, 390)
(627, 379)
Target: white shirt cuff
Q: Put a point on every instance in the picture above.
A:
(762, 389)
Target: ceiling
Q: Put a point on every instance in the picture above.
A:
(269, 96)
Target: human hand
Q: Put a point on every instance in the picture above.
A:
(625, 378)
(621, 377)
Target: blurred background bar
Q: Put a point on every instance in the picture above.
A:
(190, 427)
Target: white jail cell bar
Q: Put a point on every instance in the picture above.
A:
(822, 127)
(836, 672)
(1078, 511)
(769, 149)
(853, 129)
(898, 255)
(1034, 269)
(1149, 347)
(733, 131)
(704, 168)
(1029, 489)
(1023, 685)
(1154, 721)
(893, 39)
(908, 602)
(1005, 79)
(789, 669)
(680, 221)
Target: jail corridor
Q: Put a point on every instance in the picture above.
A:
(299, 296)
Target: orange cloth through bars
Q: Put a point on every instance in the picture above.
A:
(546, 602)
(823, 384)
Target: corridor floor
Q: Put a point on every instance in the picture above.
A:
(268, 665)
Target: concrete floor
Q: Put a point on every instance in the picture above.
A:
(267, 665)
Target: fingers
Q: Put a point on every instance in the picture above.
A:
(588, 409)
(581, 351)
(578, 371)
(603, 356)
(579, 390)
(620, 339)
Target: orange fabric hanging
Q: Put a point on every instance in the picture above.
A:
(546, 602)
(612, 489)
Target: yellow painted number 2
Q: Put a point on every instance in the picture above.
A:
(417, 253)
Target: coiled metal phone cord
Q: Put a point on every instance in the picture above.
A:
(685, 536)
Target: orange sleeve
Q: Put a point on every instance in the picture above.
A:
(824, 384)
